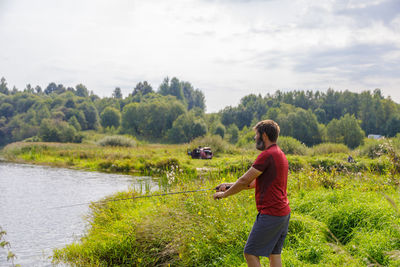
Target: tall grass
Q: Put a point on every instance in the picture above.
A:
(329, 148)
(217, 144)
(117, 140)
(290, 145)
(348, 224)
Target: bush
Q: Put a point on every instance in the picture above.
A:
(58, 131)
(246, 137)
(290, 145)
(216, 143)
(220, 130)
(117, 140)
(372, 148)
(329, 148)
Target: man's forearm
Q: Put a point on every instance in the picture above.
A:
(247, 181)
(235, 188)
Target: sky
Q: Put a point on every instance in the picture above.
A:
(226, 48)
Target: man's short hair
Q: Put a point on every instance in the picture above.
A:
(269, 127)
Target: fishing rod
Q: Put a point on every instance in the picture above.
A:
(145, 196)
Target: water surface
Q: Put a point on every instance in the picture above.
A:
(28, 195)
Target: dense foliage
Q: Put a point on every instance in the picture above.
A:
(175, 113)
(312, 117)
(57, 114)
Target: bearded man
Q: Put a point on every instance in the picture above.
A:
(268, 175)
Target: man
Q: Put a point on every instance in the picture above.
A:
(268, 175)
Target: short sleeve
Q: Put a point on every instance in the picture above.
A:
(262, 162)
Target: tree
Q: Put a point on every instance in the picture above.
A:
(151, 118)
(345, 130)
(367, 114)
(29, 89)
(6, 110)
(131, 119)
(187, 127)
(353, 135)
(73, 121)
(3, 86)
(117, 93)
(194, 98)
(50, 88)
(91, 115)
(58, 131)
(110, 117)
(393, 126)
(48, 132)
(198, 100)
(302, 125)
(81, 90)
(38, 89)
(173, 87)
(142, 89)
(232, 133)
(272, 114)
(321, 115)
(164, 87)
(220, 130)
(333, 132)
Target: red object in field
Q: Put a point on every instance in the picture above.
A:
(201, 153)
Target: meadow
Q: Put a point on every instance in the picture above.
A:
(343, 214)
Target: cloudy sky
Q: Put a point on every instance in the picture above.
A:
(226, 48)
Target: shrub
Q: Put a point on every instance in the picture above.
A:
(117, 140)
(290, 145)
(220, 130)
(246, 138)
(216, 143)
(329, 148)
(58, 131)
(232, 133)
(372, 148)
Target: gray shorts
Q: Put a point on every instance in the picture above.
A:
(267, 235)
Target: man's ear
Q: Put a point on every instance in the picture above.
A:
(265, 137)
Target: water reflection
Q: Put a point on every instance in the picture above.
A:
(28, 195)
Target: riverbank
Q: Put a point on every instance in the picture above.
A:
(151, 159)
(352, 224)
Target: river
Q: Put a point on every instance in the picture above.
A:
(28, 195)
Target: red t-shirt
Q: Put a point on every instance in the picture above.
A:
(271, 195)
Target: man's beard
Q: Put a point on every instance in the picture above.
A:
(260, 144)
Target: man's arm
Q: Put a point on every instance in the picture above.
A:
(245, 182)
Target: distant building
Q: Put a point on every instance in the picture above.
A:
(375, 136)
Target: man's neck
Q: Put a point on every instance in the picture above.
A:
(268, 144)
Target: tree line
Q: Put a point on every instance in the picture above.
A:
(315, 117)
(175, 113)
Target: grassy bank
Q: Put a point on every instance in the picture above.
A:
(149, 159)
(141, 159)
(343, 214)
(351, 225)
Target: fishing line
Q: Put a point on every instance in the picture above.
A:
(146, 196)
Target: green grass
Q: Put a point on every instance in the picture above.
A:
(340, 212)
(153, 158)
(327, 228)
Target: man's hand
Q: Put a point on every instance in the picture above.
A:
(218, 195)
(223, 187)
